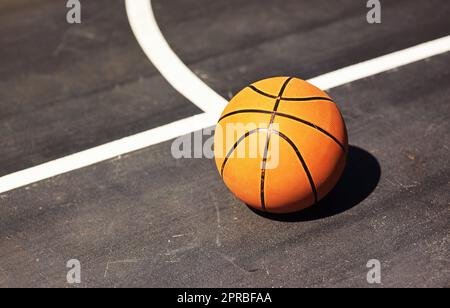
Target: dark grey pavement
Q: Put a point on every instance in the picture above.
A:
(148, 220)
(66, 88)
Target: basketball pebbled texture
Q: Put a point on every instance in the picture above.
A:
(308, 131)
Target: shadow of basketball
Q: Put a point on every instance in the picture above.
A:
(360, 178)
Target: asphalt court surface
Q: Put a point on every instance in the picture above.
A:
(146, 219)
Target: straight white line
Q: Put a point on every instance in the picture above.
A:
(198, 122)
(106, 151)
(155, 46)
(382, 64)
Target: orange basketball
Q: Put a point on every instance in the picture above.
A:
(280, 145)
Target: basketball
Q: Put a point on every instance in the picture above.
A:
(280, 145)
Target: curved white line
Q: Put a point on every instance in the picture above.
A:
(152, 41)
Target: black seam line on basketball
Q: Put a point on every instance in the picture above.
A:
(263, 172)
(261, 92)
(230, 152)
(292, 99)
(302, 161)
(305, 99)
(284, 115)
(266, 148)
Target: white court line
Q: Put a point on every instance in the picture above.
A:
(191, 124)
(106, 151)
(382, 64)
(155, 46)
